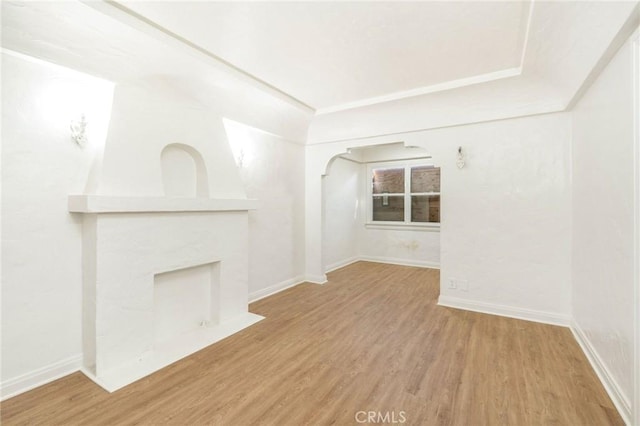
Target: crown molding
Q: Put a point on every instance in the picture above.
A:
(440, 87)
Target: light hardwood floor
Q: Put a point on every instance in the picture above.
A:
(371, 339)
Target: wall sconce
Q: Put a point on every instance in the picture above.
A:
(240, 158)
(460, 159)
(79, 131)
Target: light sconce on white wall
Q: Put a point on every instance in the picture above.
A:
(240, 158)
(460, 159)
(79, 131)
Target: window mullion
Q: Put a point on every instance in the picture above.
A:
(407, 194)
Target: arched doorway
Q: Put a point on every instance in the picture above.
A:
(355, 222)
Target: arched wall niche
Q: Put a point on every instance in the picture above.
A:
(184, 173)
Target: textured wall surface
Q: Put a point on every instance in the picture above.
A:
(345, 236)
(41, 241)
(421, 248)
(603, 227)
(130, 249)
(143, 123)
(342, 188)
(41, 263)
(506, 218)
(271, 170)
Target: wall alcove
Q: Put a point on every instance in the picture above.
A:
(184, 173)
(347, 203)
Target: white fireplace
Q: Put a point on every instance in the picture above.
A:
(165, 241)
(184, 300)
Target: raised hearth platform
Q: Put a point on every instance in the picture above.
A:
(169, 352)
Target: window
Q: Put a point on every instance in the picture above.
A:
(404, 194)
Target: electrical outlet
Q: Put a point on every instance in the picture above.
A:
(463, 285)
(453, 283)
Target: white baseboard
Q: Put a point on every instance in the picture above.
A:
(402, 262)
(316, 279)
(276, 288)
(39, 377)
(380, 259)
(611, 386)
(505, 311)
(342, 263)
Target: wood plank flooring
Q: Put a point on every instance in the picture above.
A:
(371, 339)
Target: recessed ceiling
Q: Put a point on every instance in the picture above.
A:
(324, 72)
(331, 55)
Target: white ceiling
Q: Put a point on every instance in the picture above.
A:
(333, 55)
(319, 72)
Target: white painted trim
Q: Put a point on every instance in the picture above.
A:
(380, 259)
(342, 263)
(636, 207)
(316, 279)
(440, 87)
(402, 226)
(525, 41)
(417, 157)
(402, 262)
(406, 165)
(600, 367)
(83, 203)
(534, 109)
(505, 311)
(626, 31)
(39, 377)
(276, 288)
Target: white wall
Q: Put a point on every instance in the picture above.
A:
(407, 246)
(401, 246)
(342, 188)
(505, 217)
(272, 171)
(143, 122)
(41, 241)
(345, 237)
(100, 39)
(603, 225)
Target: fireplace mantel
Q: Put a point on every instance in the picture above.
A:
(130, 244)
(111, 204)
(165, 237)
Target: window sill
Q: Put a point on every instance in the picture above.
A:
(391, 226)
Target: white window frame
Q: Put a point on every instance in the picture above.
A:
(397, 225)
